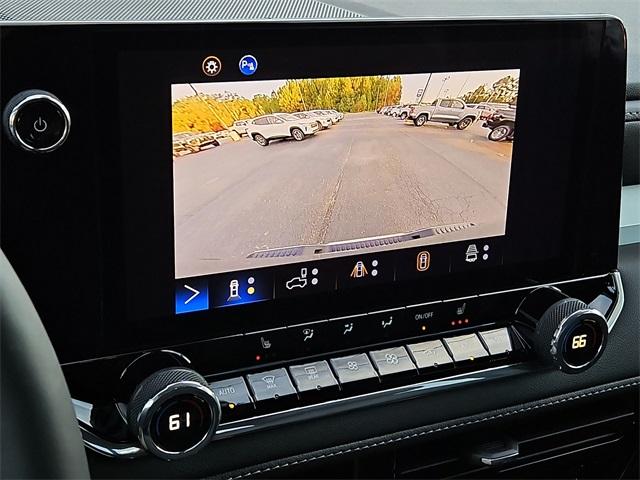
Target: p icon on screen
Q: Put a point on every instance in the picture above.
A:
(248, 65)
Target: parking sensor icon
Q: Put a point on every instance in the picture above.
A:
(211, 66)
(248, 65)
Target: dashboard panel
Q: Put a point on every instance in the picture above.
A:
(255, 226)
(120, 208)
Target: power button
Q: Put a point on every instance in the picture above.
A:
(37, 121)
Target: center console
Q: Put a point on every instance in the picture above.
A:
(250, 225)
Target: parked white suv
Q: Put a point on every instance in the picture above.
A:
(325, 121)
(325, 115)
(336, 115)
(240, 126)
(393, 111)
(405, 110)
(280, 125)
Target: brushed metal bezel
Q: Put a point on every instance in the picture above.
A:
(182, 387)
(15, 111)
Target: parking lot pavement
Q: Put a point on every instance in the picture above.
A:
(369, 175)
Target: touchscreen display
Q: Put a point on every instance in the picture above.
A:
(275, 172)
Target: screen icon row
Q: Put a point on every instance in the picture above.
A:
(293, 280)
(212, 65)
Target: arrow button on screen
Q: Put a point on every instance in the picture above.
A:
(192, 296)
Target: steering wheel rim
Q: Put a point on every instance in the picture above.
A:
(40, 434)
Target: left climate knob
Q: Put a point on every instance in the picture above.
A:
(36, 121)
(173, 412)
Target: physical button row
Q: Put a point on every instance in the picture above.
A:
(322, 379)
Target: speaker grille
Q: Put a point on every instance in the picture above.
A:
(167, 10)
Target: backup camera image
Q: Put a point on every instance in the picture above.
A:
(280, 171)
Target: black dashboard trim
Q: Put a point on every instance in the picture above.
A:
(506, 368)
(429, 429)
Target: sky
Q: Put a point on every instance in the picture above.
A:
(453, 84)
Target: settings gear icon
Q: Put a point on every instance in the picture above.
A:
(211, 66)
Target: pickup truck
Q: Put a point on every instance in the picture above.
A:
(502, 124)
(444, 110)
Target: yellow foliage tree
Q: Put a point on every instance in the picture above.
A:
(204, 113)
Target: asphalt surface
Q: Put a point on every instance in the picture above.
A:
(369, 175)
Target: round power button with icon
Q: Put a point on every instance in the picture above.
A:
(36, 121)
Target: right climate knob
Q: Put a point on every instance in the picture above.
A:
(562, 330)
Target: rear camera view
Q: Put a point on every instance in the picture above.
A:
(280, 171)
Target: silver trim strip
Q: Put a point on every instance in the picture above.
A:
(468, 297)
(397, 394)
(270, 420)
(424, 304)
(347, 317)
(387, 310)
(109, 449)
(275, 329)
(550, 284)
(316, 322)
(390, 19)
(618, 305)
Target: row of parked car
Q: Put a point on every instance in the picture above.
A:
(499, 118)
(296, 126)
(261, 130)
(186, 142)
